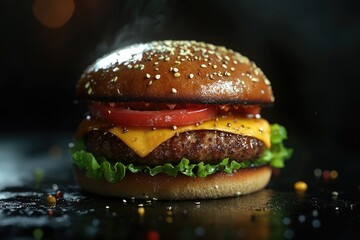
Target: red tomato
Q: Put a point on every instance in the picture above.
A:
(119, 115)
(248, 109)
(239, 109)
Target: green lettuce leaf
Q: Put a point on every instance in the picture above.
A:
(99, 167)
(277, 153)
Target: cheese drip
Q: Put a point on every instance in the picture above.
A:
(143, 140)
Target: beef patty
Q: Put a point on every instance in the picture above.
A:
(198, 146)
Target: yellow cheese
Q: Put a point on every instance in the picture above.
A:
(144, 140)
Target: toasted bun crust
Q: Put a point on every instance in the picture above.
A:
(173, 72)
(181, 187)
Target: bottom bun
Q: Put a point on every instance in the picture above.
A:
(181, 187)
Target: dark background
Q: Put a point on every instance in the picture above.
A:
(308, 49)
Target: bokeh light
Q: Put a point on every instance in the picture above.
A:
(53, 13)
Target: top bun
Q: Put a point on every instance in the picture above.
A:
(175, 72)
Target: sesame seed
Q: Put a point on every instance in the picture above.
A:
(157, 76)
(147, 76)
(156, 63)
(173, 90)
(203, 65)
(177, 62)
(229, 124)
(235, 62)
(211, 76)
(174, 127)
(150, 83)
(232, 69)
(214, 66)
(129, 66)
(87, 85)
(267, 82)
(176, 74)
(114, 79)
(243, 59)
(136, 66)
(191, 76)
(142, 66)
(227, 58)
(116, 69)
(227, 74)
(175, 70)
(156, 69)
(224, 66)
(254, 79)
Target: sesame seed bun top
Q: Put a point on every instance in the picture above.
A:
(173, 72)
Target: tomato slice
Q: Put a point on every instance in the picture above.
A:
(240, 109)
(120, 115)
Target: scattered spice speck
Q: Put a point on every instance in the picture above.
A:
(300, 186)
(141, 211)
(51, 200)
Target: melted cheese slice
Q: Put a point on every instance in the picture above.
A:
(144, 140)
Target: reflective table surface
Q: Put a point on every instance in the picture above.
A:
(32, 168)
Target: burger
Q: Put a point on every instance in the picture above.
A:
(175, 120)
